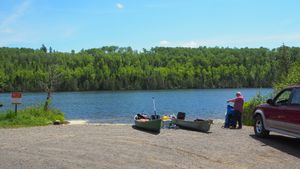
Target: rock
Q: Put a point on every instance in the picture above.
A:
(56, 122)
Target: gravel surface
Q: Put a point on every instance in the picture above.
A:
(121, 146)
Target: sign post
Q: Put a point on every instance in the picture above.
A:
(16, 99)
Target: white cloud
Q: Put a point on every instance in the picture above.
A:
(14, 38)
(20, 10)
(190, 44)
(164, 43)
(119, 6)
(245, 40)
(281, 37)
(238, 41)
(7, 32)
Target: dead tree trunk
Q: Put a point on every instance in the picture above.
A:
(49, 83)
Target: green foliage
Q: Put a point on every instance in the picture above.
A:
(117, 68)
(32, 116)
(293, 78)
(249, 107)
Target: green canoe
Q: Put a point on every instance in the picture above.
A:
(203, 126)
(151, 125)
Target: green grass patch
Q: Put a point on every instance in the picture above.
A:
(250, 106)
(31, 116)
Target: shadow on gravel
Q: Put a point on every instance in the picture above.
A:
(285, 144)
(146, 131)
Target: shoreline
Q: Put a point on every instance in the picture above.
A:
(89, 122)
(138, 90)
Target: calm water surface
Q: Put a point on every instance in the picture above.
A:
(121, 106)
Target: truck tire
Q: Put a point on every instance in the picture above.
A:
(259, 128)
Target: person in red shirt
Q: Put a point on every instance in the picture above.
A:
(238, 108)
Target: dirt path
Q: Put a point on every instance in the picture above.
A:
(121, 146)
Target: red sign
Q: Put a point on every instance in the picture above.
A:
(16, 95)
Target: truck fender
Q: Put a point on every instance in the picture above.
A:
(260, 112)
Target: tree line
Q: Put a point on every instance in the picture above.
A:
(122, 68)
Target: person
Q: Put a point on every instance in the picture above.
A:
(238, 108)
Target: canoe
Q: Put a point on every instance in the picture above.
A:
(146, 124)
(203, 125)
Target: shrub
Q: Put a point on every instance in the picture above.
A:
(31, 116)
(249, 107)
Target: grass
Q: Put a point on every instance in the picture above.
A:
(249, 108)
(32, 116)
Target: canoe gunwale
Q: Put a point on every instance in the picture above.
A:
(203, 126)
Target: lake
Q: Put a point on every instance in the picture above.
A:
(121, 106)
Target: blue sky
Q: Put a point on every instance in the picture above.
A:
(75, 24)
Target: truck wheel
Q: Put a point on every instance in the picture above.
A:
(259, 127)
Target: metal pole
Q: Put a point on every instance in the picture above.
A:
(154, 105)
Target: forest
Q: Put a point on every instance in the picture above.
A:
(122, 68)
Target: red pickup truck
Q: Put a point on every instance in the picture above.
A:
(281, 114)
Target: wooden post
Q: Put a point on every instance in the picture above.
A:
(16, 108)
(16, 99)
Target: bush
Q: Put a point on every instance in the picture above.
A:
(292, 78)
(32, 116)
(250, 106)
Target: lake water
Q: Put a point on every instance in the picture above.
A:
(121, 106)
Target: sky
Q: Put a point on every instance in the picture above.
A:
(67, 25)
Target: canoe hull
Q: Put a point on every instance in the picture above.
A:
(203, 126)
(151, 125)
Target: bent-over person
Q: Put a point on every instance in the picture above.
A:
(238, 108)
